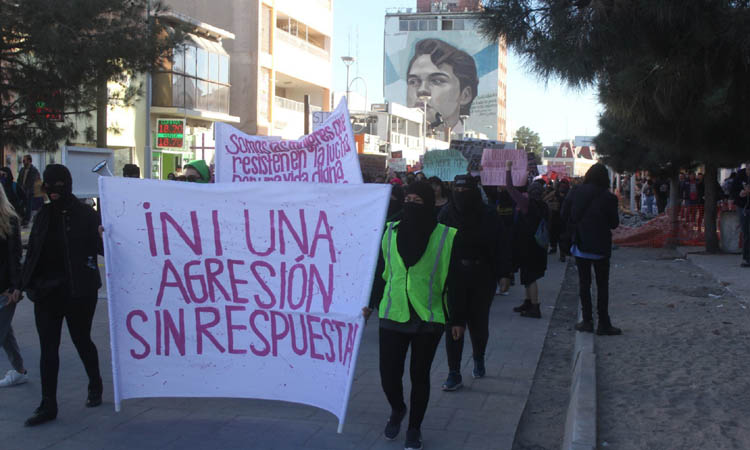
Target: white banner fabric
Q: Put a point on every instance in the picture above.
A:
(239, 290)
(327, 155)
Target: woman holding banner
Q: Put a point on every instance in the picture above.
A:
(416, 267)
(61, 276)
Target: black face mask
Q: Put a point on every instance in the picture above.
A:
(57, 180)
(467, 201)
(416, 214)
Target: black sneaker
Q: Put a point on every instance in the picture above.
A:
(534, 312)
(41, 415)
(523, 306)
(608, 330)
(413, 439)
(393, 427)
(454, 382)
(586, 326)
(479, 370)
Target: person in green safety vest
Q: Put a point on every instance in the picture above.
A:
(415, 299)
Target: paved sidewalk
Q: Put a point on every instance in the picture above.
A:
(483, 415)
(724, 267)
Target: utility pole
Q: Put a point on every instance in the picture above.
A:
(147, 148)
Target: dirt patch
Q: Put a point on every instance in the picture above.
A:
(675, 378)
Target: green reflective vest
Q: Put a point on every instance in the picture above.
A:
(422, 284)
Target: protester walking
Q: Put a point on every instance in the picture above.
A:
(529, 254)
(481, 245)
(592, 212)
(27, 178)
(416, 267)
(740, 193)
(10, 290)
(61, 277)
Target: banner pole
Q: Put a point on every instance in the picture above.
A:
(362, 323)
(110, 304)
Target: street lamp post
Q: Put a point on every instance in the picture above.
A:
(348, 89)
(424, 99)
(348, 61)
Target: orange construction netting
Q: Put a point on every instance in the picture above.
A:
(690, 229)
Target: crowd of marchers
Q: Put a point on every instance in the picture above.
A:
(449, 247)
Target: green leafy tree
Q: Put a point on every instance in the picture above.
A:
(672, 74)
(56, 57)
(529, 140)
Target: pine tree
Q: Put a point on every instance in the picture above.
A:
(55, 55)
(673, 74)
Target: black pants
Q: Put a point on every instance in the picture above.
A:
(78, 313)
(393, 347)
(555, 230)
(601, 269)
(479, 294)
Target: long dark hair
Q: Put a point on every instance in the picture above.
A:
(598, 175)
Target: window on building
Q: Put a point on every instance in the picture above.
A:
(198, 77)
(447, 24)
(458, 24)
(413, 25)
(403, 25)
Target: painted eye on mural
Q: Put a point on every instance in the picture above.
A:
(438, 80)
(413, 81)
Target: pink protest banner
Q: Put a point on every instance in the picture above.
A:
(239, 289)
(494, 166)
(559, 169)
(327, 155)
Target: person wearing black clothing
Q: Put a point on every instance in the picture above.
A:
(740, 193)
(592, 211)
(481, 246)
(423, 251)
(27, 177)
(528, 255)
(61, 277)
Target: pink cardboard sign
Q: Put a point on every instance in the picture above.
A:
(494, 166)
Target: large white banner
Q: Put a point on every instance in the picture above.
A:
(237, 289)
(327, 155)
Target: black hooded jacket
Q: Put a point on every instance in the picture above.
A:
(80, 245)
(593, 211)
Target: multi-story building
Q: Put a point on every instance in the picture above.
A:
(436, 59)
(281, 52)
(396, 131)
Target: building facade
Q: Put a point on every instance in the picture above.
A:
(277, 44)
(436, 59)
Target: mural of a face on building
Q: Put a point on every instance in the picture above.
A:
(447, 75)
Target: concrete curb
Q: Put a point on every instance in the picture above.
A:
(580, 421)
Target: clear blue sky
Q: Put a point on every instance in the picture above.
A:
(552, 110)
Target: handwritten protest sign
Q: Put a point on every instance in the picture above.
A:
(444, 164)
(239, 290)
(397, 164)
(372, 165)
(542, 169)
(327, 155)
(493, 166)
